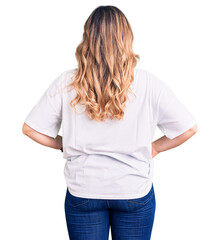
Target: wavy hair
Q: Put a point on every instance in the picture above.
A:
(106, 64)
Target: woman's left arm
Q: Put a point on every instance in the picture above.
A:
(45, 140)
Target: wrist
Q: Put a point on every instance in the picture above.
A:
(154, 150)
(59, 143)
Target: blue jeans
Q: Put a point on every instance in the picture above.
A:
(90, 219)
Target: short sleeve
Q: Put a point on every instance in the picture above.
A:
(172, 116)
(46, 116)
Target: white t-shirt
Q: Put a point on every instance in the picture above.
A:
(112, 159)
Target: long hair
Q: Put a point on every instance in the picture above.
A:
(106, 64)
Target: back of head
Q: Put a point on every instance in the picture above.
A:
(106, 64)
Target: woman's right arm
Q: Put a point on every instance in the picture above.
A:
(163, 144)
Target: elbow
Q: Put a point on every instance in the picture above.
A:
(25, 128)
(194, 129)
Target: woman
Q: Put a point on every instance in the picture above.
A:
(107, 132)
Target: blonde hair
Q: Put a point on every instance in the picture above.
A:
(106, 64)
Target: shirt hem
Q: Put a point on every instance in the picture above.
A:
(98, 196)
(40, 130)
(180, 132)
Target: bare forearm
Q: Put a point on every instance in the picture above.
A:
(163, 144)
(45, 140)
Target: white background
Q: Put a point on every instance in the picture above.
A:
(179, 42)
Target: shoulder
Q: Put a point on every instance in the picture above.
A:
(139, 72)
(157, 87)
(63, 79)
(68, 72)
(147, 74)
(67, 75)
(153, 80)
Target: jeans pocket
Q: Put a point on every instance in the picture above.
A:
(75, 201)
